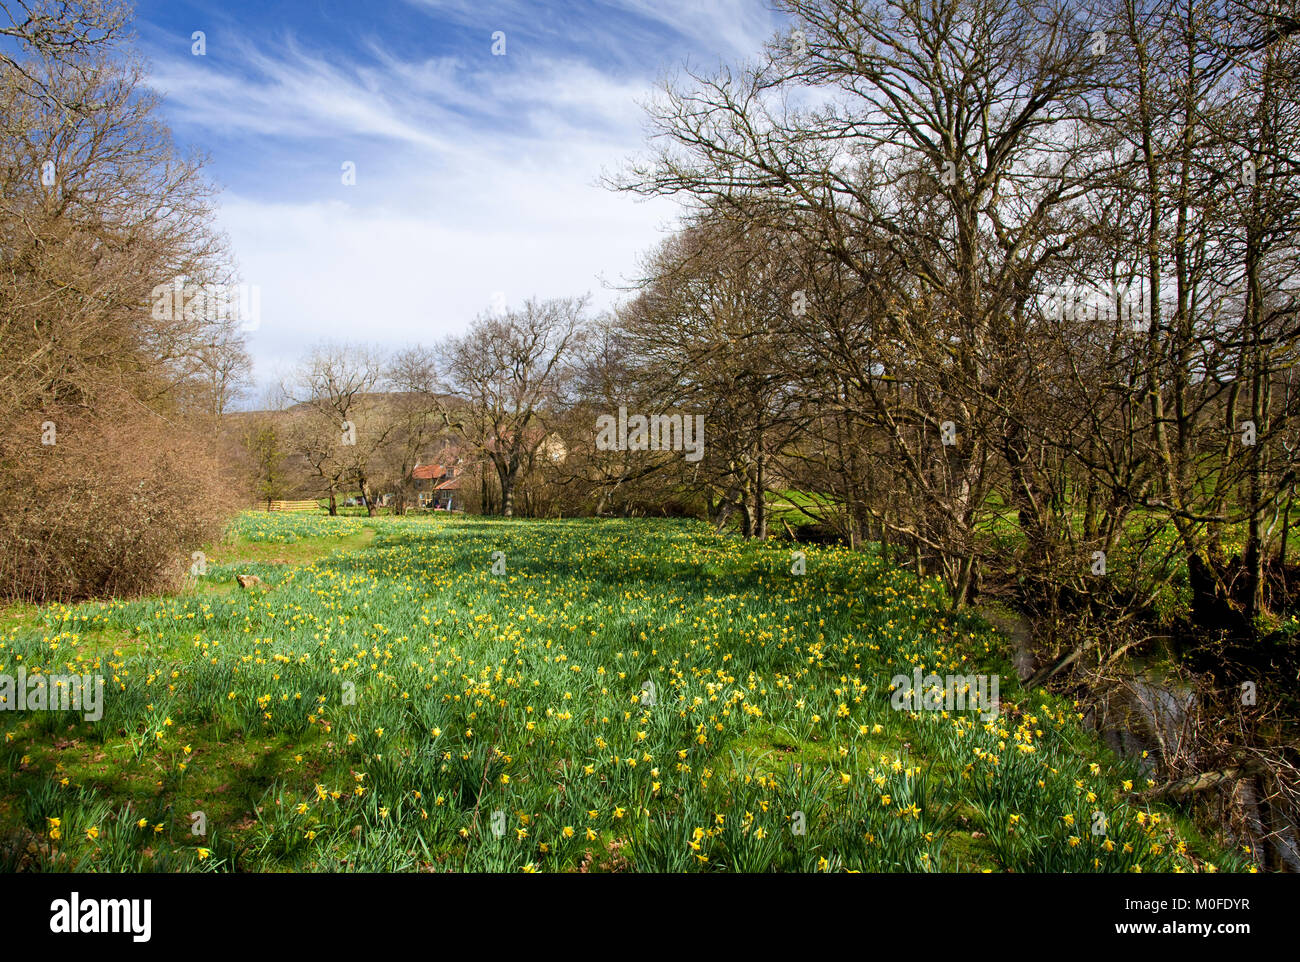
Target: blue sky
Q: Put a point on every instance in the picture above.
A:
(476, 175)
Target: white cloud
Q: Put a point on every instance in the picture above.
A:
(331, 271)
(473, 176)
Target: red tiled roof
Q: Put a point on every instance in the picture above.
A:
(428, 472)
(452, 485)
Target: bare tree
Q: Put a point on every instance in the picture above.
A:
(98, 392)
(709, 332)
(510, 372)
(346, 425)
(940, 154)
(413, 376)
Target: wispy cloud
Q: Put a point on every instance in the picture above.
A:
(625, 32)
(475, 173)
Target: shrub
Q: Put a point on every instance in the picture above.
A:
(115, 507)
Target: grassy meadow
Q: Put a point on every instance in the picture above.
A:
(469, 694)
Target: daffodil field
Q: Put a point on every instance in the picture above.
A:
(470, 694)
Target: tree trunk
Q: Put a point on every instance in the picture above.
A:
(724, 512)
(507, 475)
(367, 498)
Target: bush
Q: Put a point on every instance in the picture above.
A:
(115, 507)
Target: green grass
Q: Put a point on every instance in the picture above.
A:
(1148, 561)
(390, 702)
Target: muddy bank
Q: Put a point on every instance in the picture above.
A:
(1152, 717)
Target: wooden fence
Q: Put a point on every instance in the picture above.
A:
(290, 506)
